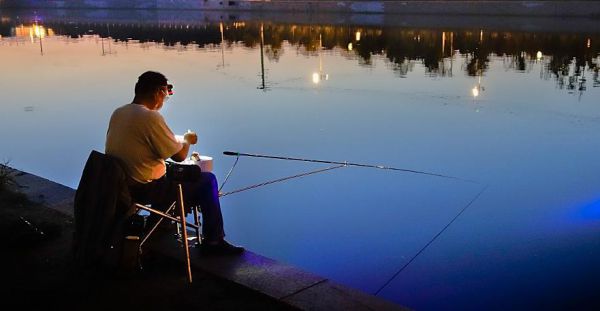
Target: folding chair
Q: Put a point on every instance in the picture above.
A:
(102, 205)
(176, 213)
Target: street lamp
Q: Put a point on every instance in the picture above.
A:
(39, 32)
(477, 89)
(317, 77)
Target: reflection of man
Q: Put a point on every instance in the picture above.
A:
(140, 138)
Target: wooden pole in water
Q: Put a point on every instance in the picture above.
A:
(262, 61)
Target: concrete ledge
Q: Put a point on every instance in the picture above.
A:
(295, 287)
(456, 7)
(286, 283)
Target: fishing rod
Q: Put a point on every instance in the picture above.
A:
(346, 164)
(382, 167)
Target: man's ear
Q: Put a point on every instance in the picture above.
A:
(156, 98)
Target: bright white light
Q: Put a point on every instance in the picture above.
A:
(539, 55)
(589, 43)
(475, 92)
(350, 46)
(316, 78)
(357, 36)
(39, 31)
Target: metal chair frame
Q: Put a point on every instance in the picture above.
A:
(179, 219)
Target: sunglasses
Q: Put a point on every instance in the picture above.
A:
(169, 90)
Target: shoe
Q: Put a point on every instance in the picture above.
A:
(222, 248)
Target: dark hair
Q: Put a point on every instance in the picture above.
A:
(149, 82)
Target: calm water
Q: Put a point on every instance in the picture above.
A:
(515, 111)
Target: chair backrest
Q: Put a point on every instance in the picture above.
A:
(102, 203)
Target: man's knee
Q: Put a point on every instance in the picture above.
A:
(209, 178)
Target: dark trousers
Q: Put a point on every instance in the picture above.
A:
(203, 192)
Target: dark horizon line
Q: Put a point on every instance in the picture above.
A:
(197, 17)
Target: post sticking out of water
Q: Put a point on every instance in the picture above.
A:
(262, 59)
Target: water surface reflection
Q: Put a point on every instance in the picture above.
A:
(568, 59)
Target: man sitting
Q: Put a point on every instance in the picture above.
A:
(140, 138)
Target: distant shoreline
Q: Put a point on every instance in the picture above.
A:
(200, 18)
(581, 8)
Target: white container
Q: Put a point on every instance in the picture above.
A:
(206, 163)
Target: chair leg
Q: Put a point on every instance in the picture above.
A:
(156, 225)
(184, 235)
(197, 223)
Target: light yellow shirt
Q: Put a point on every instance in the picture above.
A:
(142, 140)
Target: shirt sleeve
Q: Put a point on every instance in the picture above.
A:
(161, 138)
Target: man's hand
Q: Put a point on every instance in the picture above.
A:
(190, 137)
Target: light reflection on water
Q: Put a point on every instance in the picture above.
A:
(590, 212)
(481, 105)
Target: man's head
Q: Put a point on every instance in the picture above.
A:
(152, 89)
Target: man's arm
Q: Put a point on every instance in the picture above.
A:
(190, 138)
(181, 154)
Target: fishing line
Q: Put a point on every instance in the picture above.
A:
(229, 173)
(346, 164)
(281, 179)
(431, 241)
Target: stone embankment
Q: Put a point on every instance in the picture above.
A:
(455, 7)
(284, 283)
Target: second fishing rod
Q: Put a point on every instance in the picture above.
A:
(345, 163)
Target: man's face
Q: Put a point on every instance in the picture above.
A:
(163, 95)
